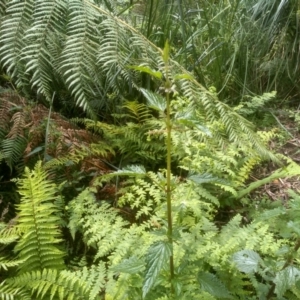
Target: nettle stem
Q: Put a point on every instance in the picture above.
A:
(168, 175)
(169, 187)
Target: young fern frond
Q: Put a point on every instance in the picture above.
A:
(38, 217)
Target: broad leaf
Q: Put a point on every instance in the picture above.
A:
(157, 257)
(294, 226)
(131, 265)
(211, 284)
(154, 100)
(206, 178)
(247, 261)
(286, 279)
(147, 70)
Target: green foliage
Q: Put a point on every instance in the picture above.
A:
(255, 103)
(12, 135)
(35, 236)
(157, 257)
(211, 284)
(163, 237)
(38, 218)
(279, 274)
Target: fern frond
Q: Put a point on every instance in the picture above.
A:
(8, 292)
(52, 284)
(77, 60)
(3, 7)
(13, 28)
(5, 264)
(18, 125)
(12, 149)
(95, 278)
(138, 111)
(38, 215)
(103, 229)
(41, 38)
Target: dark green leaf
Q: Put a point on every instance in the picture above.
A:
(247, 261)
(211, 284)
(157, 257)
(131, 266)
(294, 226)
(206, 178)
(286, 279)
(154, 100)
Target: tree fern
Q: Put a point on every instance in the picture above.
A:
(79, 69)
(38, 216)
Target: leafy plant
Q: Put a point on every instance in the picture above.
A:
(277, 275)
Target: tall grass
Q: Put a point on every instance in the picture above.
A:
(239, 47)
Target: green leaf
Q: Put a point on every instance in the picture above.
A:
(157, 257)
(166, 52)
(206, 178)
(154, 100)
(294, 226)
(211, 284)
(286, 279)
(147, 70)
(247, 261)
(194, 123)
(131, 170)
(131, 265)
(183, 76)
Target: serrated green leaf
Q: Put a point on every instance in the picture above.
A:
(131, 265)
(147, 70)
(206, 178)
(286, 279)
(154, 100)
(157, 257)
(211, 284)
(294, 226)
(247, 261)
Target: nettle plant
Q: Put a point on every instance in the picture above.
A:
(174, 249)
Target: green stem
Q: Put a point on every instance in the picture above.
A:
(168, 188)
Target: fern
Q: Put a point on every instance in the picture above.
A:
(97, 52)
(38, 215)
(94, 278)
(79, 69)
(12, 151)
(51, 284)
(11, 293)
(86, 216)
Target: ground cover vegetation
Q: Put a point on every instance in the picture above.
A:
(149, 149)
